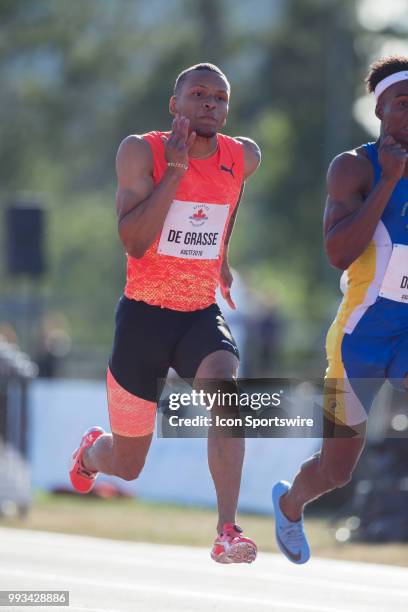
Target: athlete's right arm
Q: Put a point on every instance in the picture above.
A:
(353, 210)
(142, 206)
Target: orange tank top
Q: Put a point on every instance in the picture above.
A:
(181, 268)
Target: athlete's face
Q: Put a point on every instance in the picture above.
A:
(393, 112)
(203, 98)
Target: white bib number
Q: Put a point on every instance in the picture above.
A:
(193, 230)
(395, 282)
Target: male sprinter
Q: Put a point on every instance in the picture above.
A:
(176, 202)
(365, 228)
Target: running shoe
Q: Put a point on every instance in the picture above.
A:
(232, 547)
(290, 535)
(82, 479)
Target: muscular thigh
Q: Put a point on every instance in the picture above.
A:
(143, 343)
(130, 450)
(207, 334)
(145, 337)
(356, 370)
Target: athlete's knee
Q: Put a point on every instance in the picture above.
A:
(129, 471)
(218, 365)
(334, 475)
(337, 475)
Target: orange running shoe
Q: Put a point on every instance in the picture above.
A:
(82, 479)
(232, 547)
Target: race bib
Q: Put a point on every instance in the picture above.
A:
(193, 230)
(395, 282)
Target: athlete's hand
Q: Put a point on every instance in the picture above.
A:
(392, 157)
(179, 143)
(226, 279)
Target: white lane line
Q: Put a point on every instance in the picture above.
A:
(184, 593)
(275, 576)
(324, 567)
(173, 552)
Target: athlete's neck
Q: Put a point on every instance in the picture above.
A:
(204, 147)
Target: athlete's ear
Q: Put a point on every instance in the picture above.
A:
(379, 111)
(172, 105)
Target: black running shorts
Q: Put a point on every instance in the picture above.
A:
(149, 340)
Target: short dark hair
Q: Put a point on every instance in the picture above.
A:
(203, 66)
(383, 68)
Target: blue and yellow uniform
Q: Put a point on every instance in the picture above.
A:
(369, 336)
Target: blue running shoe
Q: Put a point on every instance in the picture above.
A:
(289, 535)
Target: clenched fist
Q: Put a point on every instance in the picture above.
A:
(392, 157)
(179, 143)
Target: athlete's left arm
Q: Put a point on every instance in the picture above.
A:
(252, 155)
(252, 159)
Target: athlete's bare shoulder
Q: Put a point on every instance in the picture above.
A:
(252, 154)
(134, 150)
(134, 169)
(351, 168)
(349, 181)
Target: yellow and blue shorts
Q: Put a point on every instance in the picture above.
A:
(359, 362)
